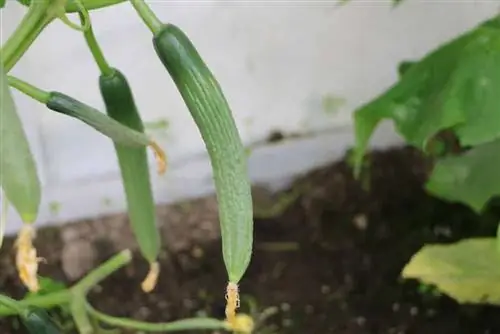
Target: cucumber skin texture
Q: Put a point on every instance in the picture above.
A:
(133, 162)
(37, 321)
(208, 107)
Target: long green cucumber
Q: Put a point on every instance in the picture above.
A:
(208, 106)
(120, 106)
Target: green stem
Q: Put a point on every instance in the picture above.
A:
(101, 272)
(3, 216)
(80, 289)
(12, 304)
(95, 49)
(80, 316)
(72, 7)
(26, 32)
(179, 325)
(46, 301)
(28, 89)
(148, 16)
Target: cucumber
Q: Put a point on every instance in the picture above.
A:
(208, 107)
(120, 106)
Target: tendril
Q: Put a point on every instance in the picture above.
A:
(85, 17)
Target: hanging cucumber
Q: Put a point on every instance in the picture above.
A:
(134, 168)
(133, 161)
(208, 107)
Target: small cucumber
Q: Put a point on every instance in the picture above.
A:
(119, 133)
(109, 127)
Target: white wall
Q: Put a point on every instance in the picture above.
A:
(277, 61)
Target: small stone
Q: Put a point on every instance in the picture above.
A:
(431, 313)
(361, 321)
(285, 307)
(78, 257)
(143, 312)
(197, 252)
(325, 289)
(309, 309)
(360, 221)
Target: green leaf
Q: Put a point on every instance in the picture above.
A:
(404, 66)
(454, 87)
(2, 3)
(18, 173)
(467, 271)
(38, 321)
(471, 178)
(47, 286)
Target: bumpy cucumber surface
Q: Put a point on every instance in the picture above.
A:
(210, 110)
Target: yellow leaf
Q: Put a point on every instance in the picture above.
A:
(468, 270)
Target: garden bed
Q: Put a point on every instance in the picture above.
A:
(329, 264)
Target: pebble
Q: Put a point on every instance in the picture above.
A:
(361, 321)
(285, 307)
(395, 307)
(309, 309)
(360, 221)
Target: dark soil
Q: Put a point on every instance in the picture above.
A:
(340, 272)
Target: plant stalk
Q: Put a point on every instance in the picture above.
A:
(11, 304)
(46, 301)
(147, 15)
(79, 289)
(101, 272)
(3, 216)
(26, 32)
(80, 315)
(95, 49)
(174, 326)
(28, 89)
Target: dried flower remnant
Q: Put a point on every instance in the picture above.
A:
(160, 157)
(26, 258)
(232, 302)
(151, 279)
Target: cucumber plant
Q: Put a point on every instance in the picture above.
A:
(447, 106)
(123, 125)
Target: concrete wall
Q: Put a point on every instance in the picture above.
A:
(299, 67)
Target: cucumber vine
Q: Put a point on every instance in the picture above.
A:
(122, 124)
